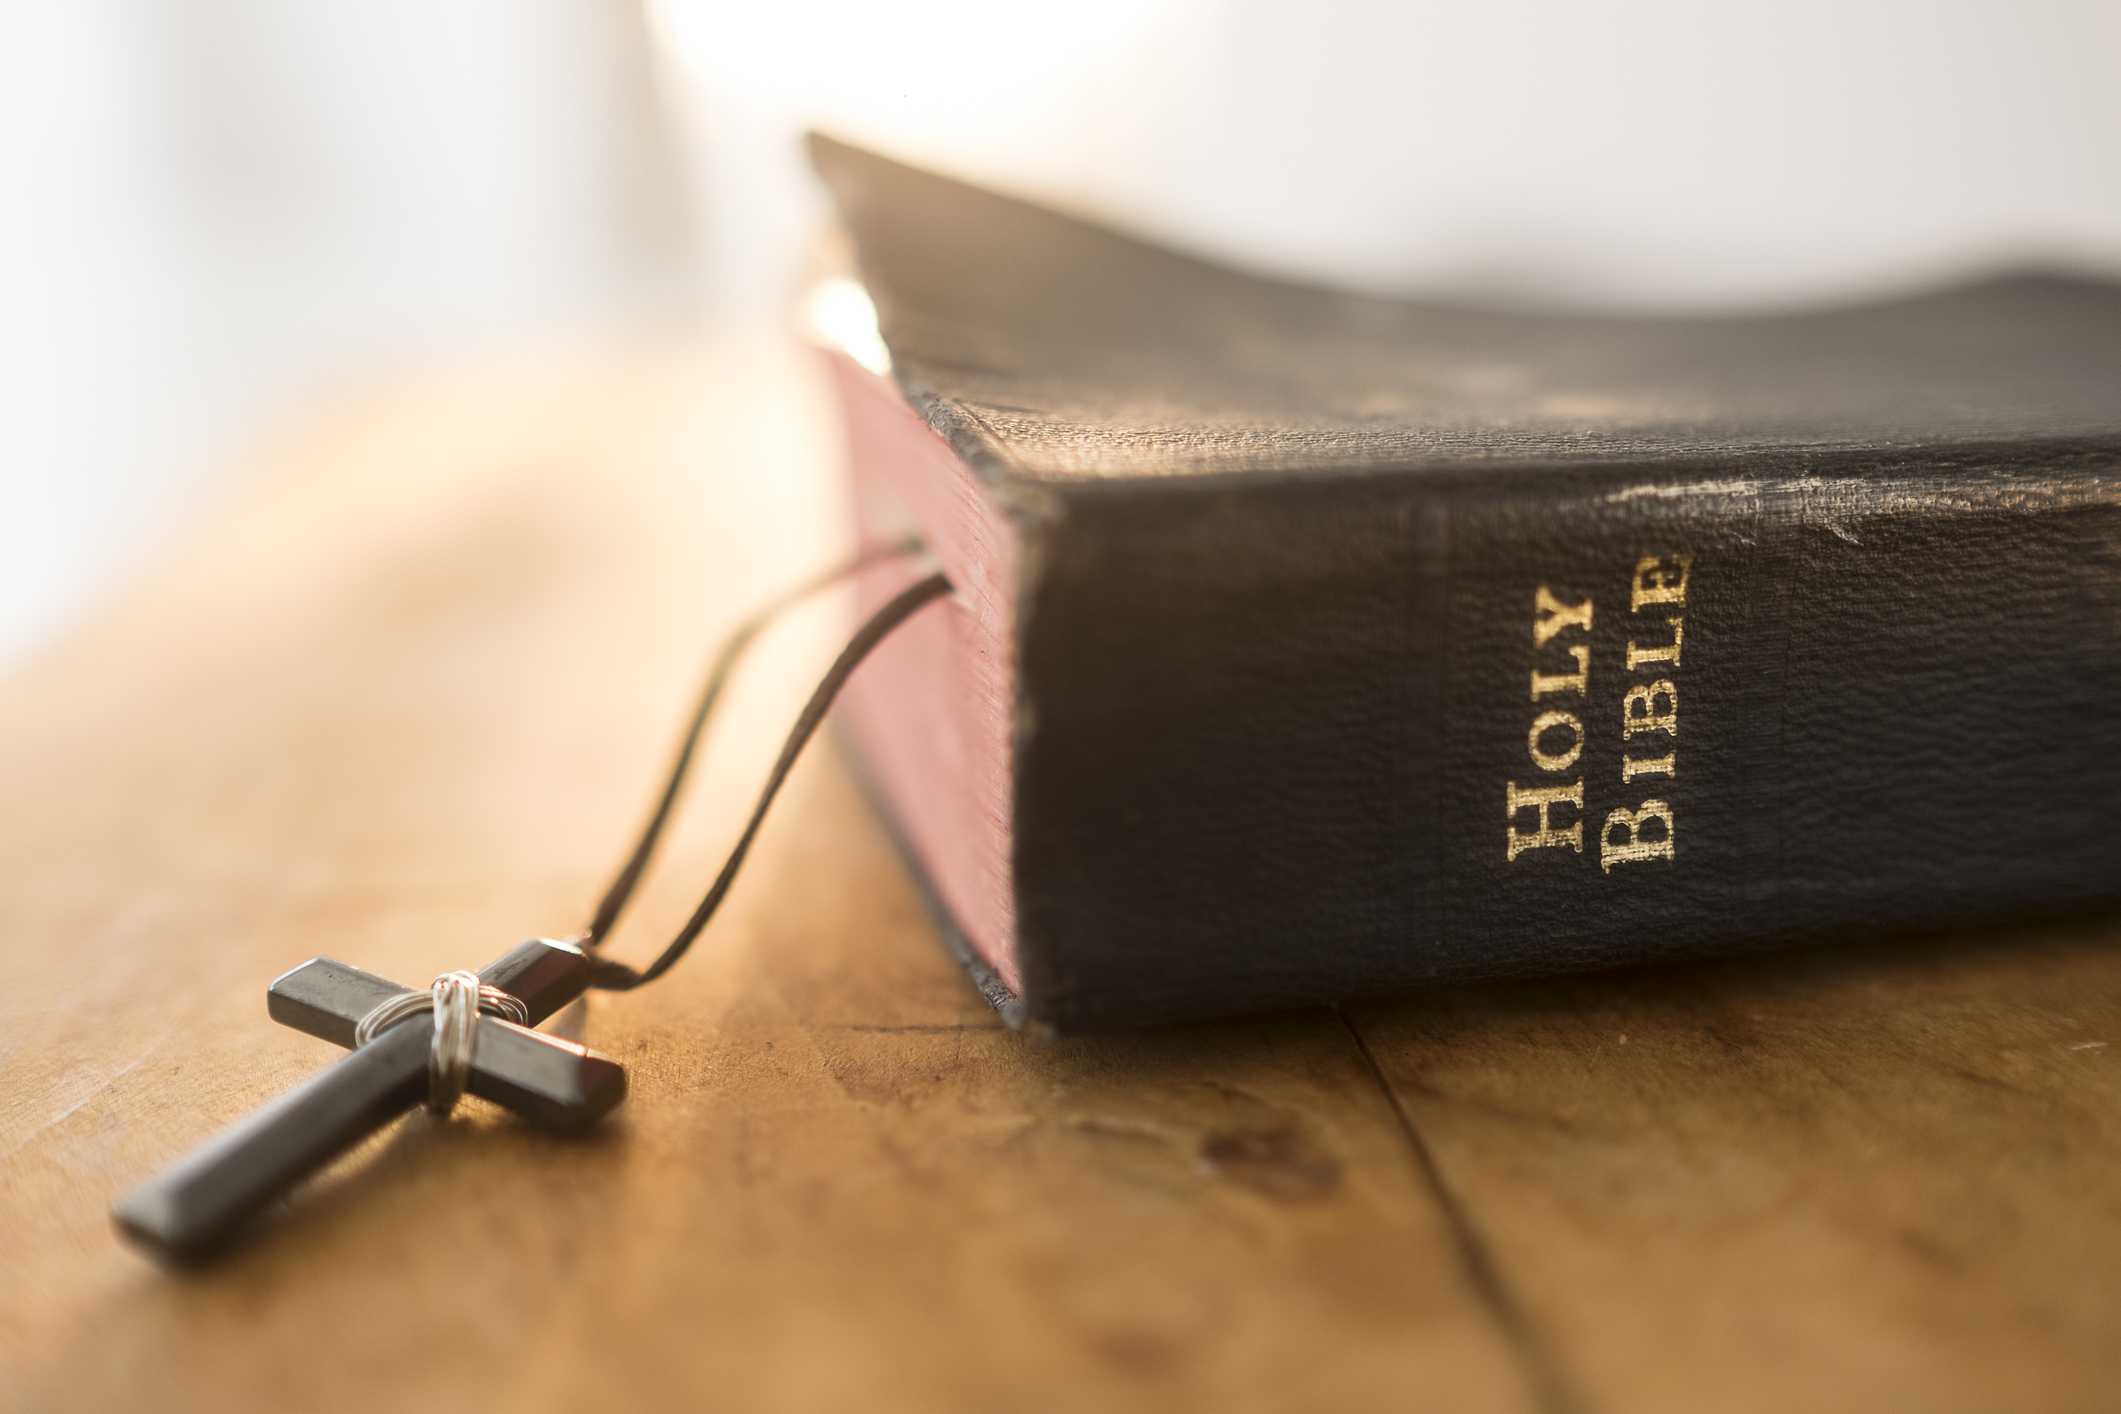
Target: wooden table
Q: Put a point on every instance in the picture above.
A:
(400, 700)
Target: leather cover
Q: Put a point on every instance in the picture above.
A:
(1338, 614)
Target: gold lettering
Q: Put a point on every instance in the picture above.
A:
(1541, 725)
(1545, 837)
(1576, 682)
(1638, 714)
(1635, 848)
(1659, 653)
(1654, 583)
(1630, 768)
(1550, 616)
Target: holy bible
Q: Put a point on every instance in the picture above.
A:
(1309, 646)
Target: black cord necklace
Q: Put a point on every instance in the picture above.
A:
(470, 1031)
(608, 975)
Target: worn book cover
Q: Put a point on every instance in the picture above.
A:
(1310, 646)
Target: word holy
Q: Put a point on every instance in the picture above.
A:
(1649, 710)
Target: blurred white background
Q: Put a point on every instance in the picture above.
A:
(213, 211)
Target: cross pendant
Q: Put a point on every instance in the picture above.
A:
(192, 1206)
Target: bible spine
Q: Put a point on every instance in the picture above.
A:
(1300, 738)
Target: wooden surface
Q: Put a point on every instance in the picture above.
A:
(401, 698)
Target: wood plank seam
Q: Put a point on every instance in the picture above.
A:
(1550, 1388)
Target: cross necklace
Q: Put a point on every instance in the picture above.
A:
(471, 1032)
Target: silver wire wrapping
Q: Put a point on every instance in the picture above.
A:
(456, 1037)
(456, 999)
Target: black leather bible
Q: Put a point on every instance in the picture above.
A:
(1311, 646)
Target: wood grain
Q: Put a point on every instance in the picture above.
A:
(1860, 1178)
(400, 701)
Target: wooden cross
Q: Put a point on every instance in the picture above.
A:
(190, 1208)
